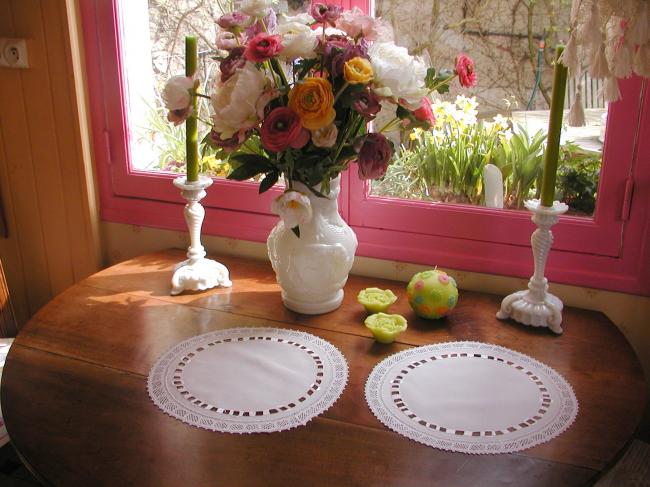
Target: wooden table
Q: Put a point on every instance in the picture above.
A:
(76, 406)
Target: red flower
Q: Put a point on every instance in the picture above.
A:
(465, 71)
(375, 152)
(178, 116)
(262, 47)
(230, 144)
(282, 128)
(232, 63)
(424, 113)
(366, 103)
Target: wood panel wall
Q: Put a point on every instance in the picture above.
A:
(45, 176)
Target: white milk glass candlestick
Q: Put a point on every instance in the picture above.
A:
(536, 306)
(196, 273)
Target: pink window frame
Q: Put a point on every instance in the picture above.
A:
(604, 252)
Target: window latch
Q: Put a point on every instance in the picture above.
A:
(627, 199)
(107, 142)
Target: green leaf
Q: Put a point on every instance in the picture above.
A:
(438, 81)
(253, 160)
(402, 112)
(245, 172)
(429, 79)
(207, 145)
(250, 165)
(347, 153)
(270, 179)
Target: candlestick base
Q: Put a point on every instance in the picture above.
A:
(196, 273)
(199, 275)
(536, 306)
(522, 306)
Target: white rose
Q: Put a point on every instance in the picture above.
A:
(256, 8)
(176, 94)
(293, 207)
(325, 137)
(235, 102)
(397, 74)
(298, 41)
(302, 18)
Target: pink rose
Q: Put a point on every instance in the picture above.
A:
(424, 113)
(262, 47)
(465, 71)
(375, 152)
(367, 104)
(234, 20)
(282, 128)
(326, 14)
(357, 24)
(227, 40)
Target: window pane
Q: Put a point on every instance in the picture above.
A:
(503, 120)
(153, 50)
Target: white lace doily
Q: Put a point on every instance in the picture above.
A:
(248, 380)
(471, 397)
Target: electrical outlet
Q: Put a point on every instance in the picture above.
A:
(13, 53)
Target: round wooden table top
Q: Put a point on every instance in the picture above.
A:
(76, 406)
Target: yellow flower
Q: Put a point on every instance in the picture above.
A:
(500, 122)
(358, 71)
(313, 101)
(416, 133)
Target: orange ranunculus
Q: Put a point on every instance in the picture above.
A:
(358, 71)
(313, 101)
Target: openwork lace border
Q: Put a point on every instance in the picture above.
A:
(159, 383)
(484, 445)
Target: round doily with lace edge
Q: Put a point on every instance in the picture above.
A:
(204, 401)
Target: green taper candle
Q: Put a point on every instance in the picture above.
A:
(191, 129)
(554, 130)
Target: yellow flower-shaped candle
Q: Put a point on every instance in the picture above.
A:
(376, 300)
(385, 328)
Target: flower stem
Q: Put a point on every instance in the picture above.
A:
(270, 68)
(340, 92)
(322, 54)
(389, 125)
(207, 122)
(280, 71)
(355, 126)
(442, 83)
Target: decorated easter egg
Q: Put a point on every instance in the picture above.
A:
(432, 294)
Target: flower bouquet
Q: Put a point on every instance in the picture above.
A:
(295, 94)
(293, 99)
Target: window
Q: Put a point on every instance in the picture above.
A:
(608, 250)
